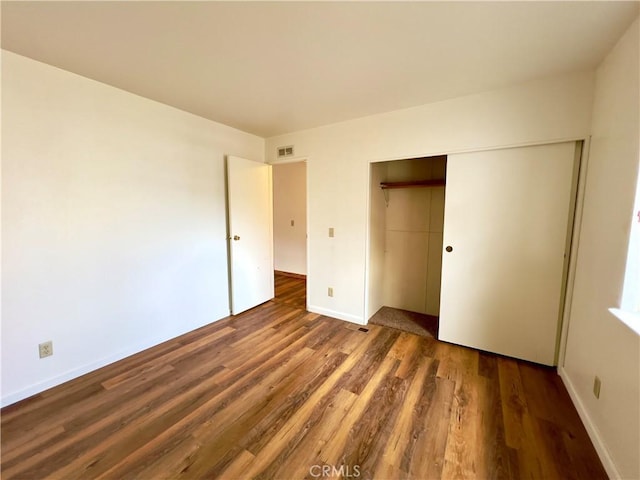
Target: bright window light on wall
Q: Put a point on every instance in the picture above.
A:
(629, 311)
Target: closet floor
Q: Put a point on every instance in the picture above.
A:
(412, 322)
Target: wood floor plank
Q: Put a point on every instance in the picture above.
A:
(299, 464)
(433, 428)
(276, 391)
(519, 425)
(340, 450)
(514, 407)
(174, 460)
(369, 361)
(400, 446)
(464, 456)
(499, 457)
(368, 438)
(237, 468)
(407, 362)
(32, 441)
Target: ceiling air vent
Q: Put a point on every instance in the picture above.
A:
(285, 151)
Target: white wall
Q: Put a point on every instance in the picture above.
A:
(338, 156)
(598, 343)
(113, 223)
(290, 205)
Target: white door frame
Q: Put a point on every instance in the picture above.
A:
(572, 257)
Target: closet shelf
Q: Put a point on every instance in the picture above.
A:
(439, 182)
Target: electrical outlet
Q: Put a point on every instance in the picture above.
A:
(331, 232)
(330, 291)
(45, 349)
(596, 386)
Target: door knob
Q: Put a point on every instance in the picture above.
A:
(236, 238)
(449, 248)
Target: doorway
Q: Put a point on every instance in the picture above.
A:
(290, 230)
(405, 254)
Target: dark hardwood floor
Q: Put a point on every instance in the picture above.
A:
(278, 392)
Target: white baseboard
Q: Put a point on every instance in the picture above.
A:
(592, 430)
(339, 315)
(78, 372)
(87, 368)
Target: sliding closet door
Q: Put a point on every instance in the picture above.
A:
(505, 232)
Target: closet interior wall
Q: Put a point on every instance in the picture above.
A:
(406, 226)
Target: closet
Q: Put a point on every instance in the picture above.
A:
(480, 241)
(407, 217)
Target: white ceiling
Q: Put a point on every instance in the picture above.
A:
(270, 68)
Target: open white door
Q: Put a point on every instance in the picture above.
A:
(506, 224)
(250, 231)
